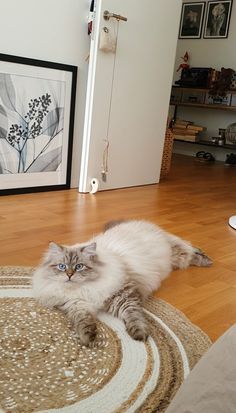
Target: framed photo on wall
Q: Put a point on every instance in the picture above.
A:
(217, 19)
(37, 104)
(191, 20)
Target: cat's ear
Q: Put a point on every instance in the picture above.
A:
(54, 247)
(90, 251)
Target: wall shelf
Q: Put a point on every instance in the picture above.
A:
(184, 96)
(206, 143)
(200, 98)
(204, 105)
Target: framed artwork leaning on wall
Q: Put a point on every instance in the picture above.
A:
(191, 20)
(217, 19)
(37, 104)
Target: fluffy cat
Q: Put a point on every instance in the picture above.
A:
(113, 272)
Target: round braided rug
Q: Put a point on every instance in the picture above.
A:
(43, 368)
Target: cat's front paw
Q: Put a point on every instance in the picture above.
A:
(138, 332)
(87, 335)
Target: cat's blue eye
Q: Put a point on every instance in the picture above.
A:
(61, 267)
(79, 267)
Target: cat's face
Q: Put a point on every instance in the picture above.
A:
(72, 264)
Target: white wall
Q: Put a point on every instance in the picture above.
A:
(54, 30)
(214, 53)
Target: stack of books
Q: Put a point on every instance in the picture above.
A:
(186, 130)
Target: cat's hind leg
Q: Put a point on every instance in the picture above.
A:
(184, 254)
(126, 304)
(200, 259)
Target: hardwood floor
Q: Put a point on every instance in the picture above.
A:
(194, 202)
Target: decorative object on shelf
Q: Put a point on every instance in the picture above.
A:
(218, 99)
(37, 102)
(233, 81)
(230, 133)
(222, 84)
(185, 64)
(221, 138)
(215, 139)
(222, 132)
(213, 77)
(195, 77)
(191, 20)
(221, 141)
(217, 19)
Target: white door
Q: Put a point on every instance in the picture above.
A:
(128, 93)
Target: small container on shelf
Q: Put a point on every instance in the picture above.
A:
(192, 96)
(215, 140)
(218, 100)
(221, 140)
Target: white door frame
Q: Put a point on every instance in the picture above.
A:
(89, 98)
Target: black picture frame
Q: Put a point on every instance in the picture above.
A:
(217, 19)
(37, 108)
(191, 21)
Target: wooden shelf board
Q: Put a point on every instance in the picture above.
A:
(198, 89)
(226, 146)
(204, 105)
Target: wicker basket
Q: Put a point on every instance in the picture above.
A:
(167, 153)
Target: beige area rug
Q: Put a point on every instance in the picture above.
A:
(43, 368)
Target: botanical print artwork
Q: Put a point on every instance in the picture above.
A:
(31, 124)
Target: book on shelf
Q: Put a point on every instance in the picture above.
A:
(185, 127)
(195, 128)
(184, 131)
(191, 127)
(179, 125)
(184, 122)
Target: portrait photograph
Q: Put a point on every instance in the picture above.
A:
(191, 20)
(217, 19)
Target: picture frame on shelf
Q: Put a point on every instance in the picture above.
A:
(191, 21)
(37, 106)
(217, 19)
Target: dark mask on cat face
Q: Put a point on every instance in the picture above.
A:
(73, 264)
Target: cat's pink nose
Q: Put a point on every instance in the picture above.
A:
(69, 274)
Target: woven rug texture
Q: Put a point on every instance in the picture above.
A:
(43, 367)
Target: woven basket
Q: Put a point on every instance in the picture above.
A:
(167, 153)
